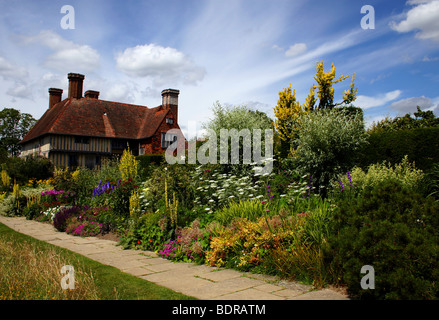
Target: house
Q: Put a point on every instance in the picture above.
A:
(83, 130)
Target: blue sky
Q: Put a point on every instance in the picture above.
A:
(237, 52)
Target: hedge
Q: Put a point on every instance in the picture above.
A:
(421, 145)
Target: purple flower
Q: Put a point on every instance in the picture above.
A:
(341, 185)
(350, 179)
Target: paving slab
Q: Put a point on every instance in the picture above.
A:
(199, 281)
(248, 294)
(220, 275)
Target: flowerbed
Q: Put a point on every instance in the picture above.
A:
(275, 224)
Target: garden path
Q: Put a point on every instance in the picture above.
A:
(199, 281)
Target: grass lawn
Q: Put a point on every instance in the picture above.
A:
(30, 269)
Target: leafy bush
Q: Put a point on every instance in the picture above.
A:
(422, 119)
(88, 229)
(147, 163)
(395, 231)
(190, 245)
(147, 232)
(245, 244)
(328, 144)
(250, 209)
(178, 181)
(403, 173)
(61, 217)
(432, 181)
(23, 169)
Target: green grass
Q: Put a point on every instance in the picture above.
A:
(30, 270)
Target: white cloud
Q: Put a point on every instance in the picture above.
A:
(423, 17)
(295, 50)
(9, 70)
(120, 92)
(164, 65)
(366, 102)
(68, 56)
(20, 90)
(409, 105)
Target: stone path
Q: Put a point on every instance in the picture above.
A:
(199, 281)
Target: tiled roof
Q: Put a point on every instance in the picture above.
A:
(98, 118)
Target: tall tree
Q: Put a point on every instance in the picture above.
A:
(289, 111)
(14, 125)
(241, 123)
(325, 88)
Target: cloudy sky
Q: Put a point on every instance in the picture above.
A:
(237, 52)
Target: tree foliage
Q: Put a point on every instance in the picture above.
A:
(289, 111)
(240, 121)
(14, 125)
(325, 89)
(328, 144)
(421, 119)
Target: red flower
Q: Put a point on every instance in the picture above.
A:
(139, 242)
(150, 241)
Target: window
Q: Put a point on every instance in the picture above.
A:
(119, 144)
(168, 139)
(169, 120)
(73, 160)
(83, 140)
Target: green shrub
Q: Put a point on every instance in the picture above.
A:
(147, 163)
(421, 145)
(250, 209)
(178, 180)
(119, 198)
(21, 170)
(147, 233)
(403, 173)
(328, 144)
(432, 181)
(394, 230)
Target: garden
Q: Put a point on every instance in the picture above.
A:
(330, 206)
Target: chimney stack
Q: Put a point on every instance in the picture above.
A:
(170, 101)
(75, 85)
(55, 95)
(92, 94)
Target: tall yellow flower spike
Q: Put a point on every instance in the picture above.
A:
(351, 94)
(325, 81)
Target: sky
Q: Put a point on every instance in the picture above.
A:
(234, 52)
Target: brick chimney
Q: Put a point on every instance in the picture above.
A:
(75, 85)
(170, 101)
(91, 94)
(55, 95)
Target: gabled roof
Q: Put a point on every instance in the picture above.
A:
(98, 118)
